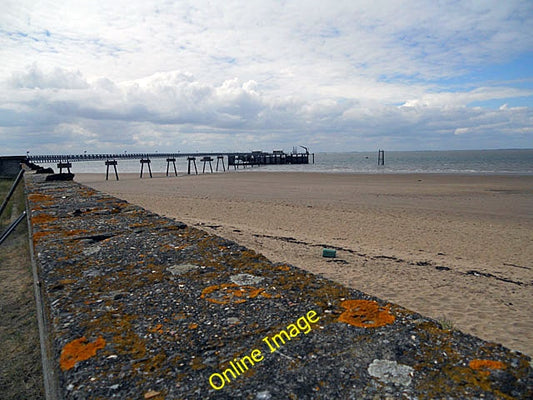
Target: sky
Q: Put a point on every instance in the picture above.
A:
(241, 75)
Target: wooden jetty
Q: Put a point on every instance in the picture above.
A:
(235, 159)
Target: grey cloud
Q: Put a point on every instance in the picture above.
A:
(35, 78)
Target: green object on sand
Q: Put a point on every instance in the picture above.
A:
(329, 253)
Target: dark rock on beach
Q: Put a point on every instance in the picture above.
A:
(60, 177)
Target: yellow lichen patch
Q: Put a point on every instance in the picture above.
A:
(485, 365)
(125, 340)
(227, 293)
(67, 281)
(365, 314)
(151, 364)
(128, 342)
(79, 350)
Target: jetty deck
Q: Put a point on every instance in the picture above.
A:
(135, 305)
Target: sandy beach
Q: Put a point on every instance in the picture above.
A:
(453, 247)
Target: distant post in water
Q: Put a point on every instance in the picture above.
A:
(381, 157)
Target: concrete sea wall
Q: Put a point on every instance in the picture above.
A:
(136, 305)
(10, 166)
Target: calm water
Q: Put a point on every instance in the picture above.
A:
(516, 162)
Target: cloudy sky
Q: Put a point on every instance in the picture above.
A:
(239, 75)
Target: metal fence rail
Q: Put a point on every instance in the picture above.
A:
(13, 187)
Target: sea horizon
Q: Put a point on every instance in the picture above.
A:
(475, 162)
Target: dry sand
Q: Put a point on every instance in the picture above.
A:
(457, 247)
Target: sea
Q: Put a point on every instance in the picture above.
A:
(476, 162)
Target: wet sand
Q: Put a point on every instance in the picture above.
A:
(453, 247)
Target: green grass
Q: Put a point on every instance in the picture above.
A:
(20, 368)
(445, 323)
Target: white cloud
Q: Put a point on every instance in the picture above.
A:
(335, 74)
(447, 99)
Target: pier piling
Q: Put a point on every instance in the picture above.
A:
(205, 161)
(114, 164)
(62, 165)
(146, 161)
(220, 158)
(193, 161)
(173, 161)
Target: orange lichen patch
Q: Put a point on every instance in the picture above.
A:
(485, 365)
(67, 281)
(88, 192)
(283, 268)
(40, 198)
(39, 235)
(365, 314)
(197, 364)
(151, 394)
(79, 350)
(157, 329)
(193, 325)
(179, 316)
(76, 232)
(140, 224)
(227, 293)
(42, 219)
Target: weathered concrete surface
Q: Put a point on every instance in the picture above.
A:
(141, 306)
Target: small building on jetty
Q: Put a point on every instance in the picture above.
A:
(262, 158)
